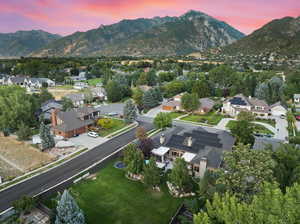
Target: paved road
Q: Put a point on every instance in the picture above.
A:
(52, 177)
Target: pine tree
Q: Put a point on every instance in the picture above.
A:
(151, 173)
(68, 211)
(46, 137)
(149, 100)
(129, 111)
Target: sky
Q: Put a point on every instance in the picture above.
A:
(68, 16)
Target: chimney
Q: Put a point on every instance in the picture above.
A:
(162, 139)
(53, 117)
(203, 164)
(189, 142)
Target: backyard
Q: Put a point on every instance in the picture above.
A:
(19, 157)
(94, 82)
(211, 118)
(112, 198)
(257, 128)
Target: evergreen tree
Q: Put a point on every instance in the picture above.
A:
(46, 137)
(180, 176)
(68, 211)
(113, 90)
(151, 173)
(149, 100)
(129, 111)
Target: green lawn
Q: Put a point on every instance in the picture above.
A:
(210, 118)
(114, 199)
(176, 114)
(94, 82)
(267, 121)
(257, 128)
(118, 124)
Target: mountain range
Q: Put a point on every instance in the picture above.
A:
(280, 35)
(159, 36)
(23, 43)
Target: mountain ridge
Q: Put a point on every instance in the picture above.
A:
(134, 37)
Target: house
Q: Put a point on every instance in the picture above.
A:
(48, 107)
(173, 104)
(262, 143)
(3, 79)
(277, 109)
(99, 93)
(206, 105)
(81, 77)
(73, 122)
(76, 98)
(233, 106)
(201, 148)
(80, 85)
(17, 80)
(39, 82)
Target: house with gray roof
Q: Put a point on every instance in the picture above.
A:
(234, 105)
(76, 98)
(73, 122)
(48, 107)
(201, 148)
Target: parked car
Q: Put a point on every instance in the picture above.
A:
(112, 114)
(297, 117)
(282, 116)
(93, 134)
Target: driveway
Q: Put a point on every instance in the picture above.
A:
(298, 125)
(113, 107)
(222, 124)
(87, 141)
(154, 111)
(281, 126)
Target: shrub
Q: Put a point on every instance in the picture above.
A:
(24, 132)
(295, 140)
(105, 123)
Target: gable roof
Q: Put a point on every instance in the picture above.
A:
(209, 144)
(239, 100)
(278, 104)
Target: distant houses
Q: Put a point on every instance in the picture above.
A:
(296, 99)
(234, 105)
(206, 105)
(26, 82)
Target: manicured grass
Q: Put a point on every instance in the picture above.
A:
(210, 118)
(114, 199)
(267, 121)
(118, 124)
(257, 128)
(176, 114)
(94, 82)
(63, 87)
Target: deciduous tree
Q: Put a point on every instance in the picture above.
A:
(162, 120)
(129, 111)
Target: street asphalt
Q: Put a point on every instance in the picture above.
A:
(51, 178)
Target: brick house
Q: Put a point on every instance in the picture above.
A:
(73, 122)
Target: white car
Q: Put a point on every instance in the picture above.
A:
(112, 114)
(93, 134)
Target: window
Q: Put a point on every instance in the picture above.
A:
(196, 168)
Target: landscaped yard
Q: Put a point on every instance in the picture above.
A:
(210, 118)
(114, 199)
(176, 114)
(257, 128)
(94, 82)
(22, 155)
(117, 125)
